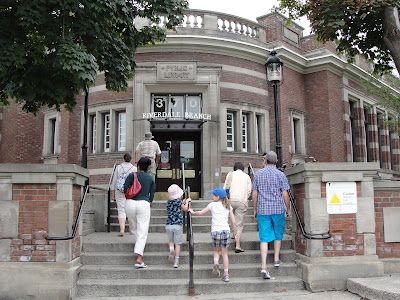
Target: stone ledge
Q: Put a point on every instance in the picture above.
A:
(38, 280)
(331, 273)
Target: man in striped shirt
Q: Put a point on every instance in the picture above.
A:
(151, 150)
(270, 196)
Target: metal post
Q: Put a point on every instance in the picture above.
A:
(85, 123)
(278, 135)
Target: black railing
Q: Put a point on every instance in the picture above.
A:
(75, 227)
(191, 245)
(109, 199)
(322, 236)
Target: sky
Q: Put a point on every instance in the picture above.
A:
(249, 9)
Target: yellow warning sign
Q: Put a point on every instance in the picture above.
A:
(335, 199)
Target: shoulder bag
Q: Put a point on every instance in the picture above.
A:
(134, 189)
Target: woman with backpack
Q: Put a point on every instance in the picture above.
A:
(121, 173)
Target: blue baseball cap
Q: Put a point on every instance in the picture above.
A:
(220, 192)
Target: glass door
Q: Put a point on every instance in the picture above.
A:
(178, 149)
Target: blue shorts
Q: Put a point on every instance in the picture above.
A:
(221, 238)
(271, 227)
(174, 233)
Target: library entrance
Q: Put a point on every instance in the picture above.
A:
(177, 149)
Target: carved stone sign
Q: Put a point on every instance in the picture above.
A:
(176, 71)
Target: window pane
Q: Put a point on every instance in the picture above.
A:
(187, 153)
(160, 104)
(193, 104)
(121, 131)
(93, 134)
(244, 133)
(230, 132)
(107, 128)
(176, 107)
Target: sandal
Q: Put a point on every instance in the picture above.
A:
(120, 234)
(140, 266)
(238, 250)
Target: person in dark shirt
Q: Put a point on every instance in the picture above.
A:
(174, 227)
(138, 208)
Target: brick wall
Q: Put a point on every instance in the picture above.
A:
(31, 244)
(345, 240)
(385, 199)
(21, 136)
(299, 194)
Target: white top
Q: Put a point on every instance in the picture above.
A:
(219, 216)
(122, 168)
(240, 187)
(148, 148)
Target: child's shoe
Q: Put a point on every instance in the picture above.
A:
(225, 278)
(176, 264)
(265, 274)
(215, 271)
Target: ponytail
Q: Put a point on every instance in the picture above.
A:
(225, 203)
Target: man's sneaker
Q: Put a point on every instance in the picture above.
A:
(215, 271)
(265, 274)
(176, 264)
(171, 256)
(225, 278)
(277, 264)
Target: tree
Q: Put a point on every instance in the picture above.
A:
(52, 49)
(370, 28)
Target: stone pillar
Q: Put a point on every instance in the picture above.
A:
(37, 201)
(326, 264)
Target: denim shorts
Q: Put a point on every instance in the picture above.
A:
(221, 238)
(271, 227)
(174, 233)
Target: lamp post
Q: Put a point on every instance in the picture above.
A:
(274, 68)
(85, 125)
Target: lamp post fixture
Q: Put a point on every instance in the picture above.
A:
(274, 68)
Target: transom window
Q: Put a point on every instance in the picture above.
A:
(176, 106)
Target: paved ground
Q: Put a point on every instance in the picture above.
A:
(286, 295)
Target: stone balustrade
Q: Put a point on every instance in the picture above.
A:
(215, 24)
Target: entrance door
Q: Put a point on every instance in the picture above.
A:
(178, 148)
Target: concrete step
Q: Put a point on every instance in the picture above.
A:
(167, 271)
(196, 204)
(205, 219)
(161, 258)
(196, 227)
(159, 242)
(126, 287)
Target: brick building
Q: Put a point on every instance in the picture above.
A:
(211, 76)
(204, 95)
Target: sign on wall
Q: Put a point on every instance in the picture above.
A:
(176, 71)
(341, 197)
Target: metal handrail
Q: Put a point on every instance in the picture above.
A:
(75, 227)
(322, 236)
(189, 232)
(191, 246)
(109, 199)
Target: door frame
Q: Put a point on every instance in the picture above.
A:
(176, 136)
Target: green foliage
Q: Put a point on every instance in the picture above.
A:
(52, 49)
(355, 25)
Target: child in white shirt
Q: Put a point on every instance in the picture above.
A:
(220, 231)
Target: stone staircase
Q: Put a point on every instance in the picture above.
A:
(108, 262)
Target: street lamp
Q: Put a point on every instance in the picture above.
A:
(274, 68)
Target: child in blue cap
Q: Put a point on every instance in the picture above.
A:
(220, 231)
